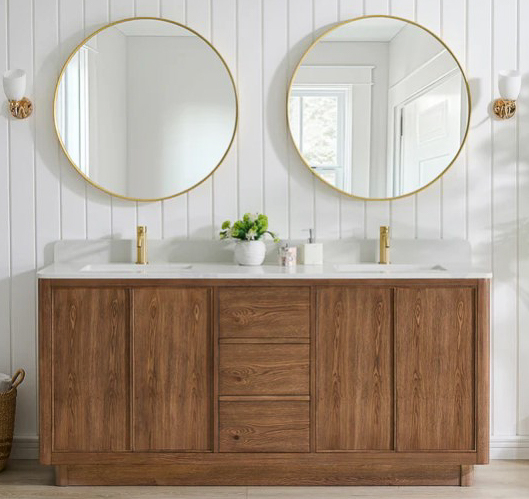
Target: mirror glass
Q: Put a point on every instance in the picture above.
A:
(145, 109)
(378, 107)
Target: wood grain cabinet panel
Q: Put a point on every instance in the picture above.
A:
(272, 426)
(279, 369)
(172, 366)
(435, 345)
(354, 369)
(90, 352)
(269, 312)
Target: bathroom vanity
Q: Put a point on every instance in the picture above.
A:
(221, 375)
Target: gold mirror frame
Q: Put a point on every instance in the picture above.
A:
(305, 54)
(76, 168)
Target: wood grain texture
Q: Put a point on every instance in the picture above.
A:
(272, 474)
(483, 372)
(90, 349)
(467, 475)
(267, 458)
(264, 369)
(255, 430)
(354, 369)
(172, 358)
(435, 342)
(45, 372)
(264, 312)
(264, 426)
(61, 475)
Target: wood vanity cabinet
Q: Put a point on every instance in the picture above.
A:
(264, 381)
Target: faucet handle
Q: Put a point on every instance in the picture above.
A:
(384, 230)
(141, 229)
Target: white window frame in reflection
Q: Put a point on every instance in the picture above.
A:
(338, 175)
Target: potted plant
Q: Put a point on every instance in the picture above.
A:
(249, 232)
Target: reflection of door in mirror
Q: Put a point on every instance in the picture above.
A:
(430, 132)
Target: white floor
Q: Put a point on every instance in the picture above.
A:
(499, 480)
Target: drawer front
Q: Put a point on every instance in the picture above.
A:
(246, 312)
(272, 426)
(257, 369)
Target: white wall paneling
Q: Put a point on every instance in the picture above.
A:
(5, 215)
(483, 198)
(522, 222)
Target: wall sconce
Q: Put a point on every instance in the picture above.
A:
(14, 87)
(509, 85)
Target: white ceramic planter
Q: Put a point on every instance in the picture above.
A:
(250, 252)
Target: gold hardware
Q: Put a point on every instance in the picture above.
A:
(317, 175)
(20, 108)
(384, 245)
(504, 109)
(141, 244)
(55, 117)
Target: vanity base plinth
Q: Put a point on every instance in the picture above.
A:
(271, 474)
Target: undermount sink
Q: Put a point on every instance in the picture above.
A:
(383, 268)
(134, 268)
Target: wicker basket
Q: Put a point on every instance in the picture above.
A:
(8, 402)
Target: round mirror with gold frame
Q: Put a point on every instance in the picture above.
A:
(378, 107)
(145, 109)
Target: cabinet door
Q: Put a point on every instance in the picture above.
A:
(435, 340)
(90, 351)
(172, 367)
(354, 369)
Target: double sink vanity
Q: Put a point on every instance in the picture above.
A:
(191, 370)
(213, 373)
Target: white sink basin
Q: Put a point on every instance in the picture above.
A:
(132, 268)
(381, 268)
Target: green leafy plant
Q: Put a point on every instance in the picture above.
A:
(252, 227)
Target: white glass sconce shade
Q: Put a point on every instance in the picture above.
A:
(15, 84)
(509, 84)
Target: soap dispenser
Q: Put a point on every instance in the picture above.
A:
(311, 251)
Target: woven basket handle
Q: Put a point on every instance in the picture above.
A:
(17, 378)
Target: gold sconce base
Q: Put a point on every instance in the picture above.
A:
(20, 108)
(504, 109)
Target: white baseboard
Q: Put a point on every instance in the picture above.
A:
(501, 447)
(25, 447)
(506, 447)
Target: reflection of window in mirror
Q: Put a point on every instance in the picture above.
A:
(73, 109)
(320, 120)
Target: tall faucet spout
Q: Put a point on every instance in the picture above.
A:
(384, 245)
(141, 244)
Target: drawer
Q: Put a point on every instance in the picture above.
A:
(271, 426)
(250, 369)
(264, 312)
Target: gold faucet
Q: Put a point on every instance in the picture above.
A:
(141, 244)
(384, 245)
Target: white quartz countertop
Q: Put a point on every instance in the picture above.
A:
(231, 271)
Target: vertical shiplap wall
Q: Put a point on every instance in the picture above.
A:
(482, 198)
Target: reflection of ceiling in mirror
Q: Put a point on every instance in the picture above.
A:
(151, 27)
(369, 30)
